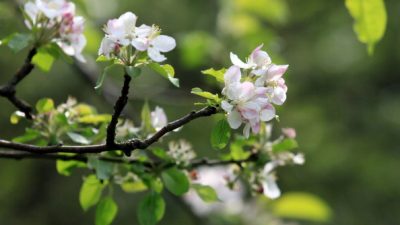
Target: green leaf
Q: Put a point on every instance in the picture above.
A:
(133, 71)
(45, 105)
(146, 119)
(217, 74)
(205, 94)
(106, 211)
(175, 181)
(30, 135)
(238, 151)
(43, 60)
(77, 138)
(90, 192)
(133, 186)
(17, 41)
(298, 205)
(95, 119)
(285, 145)
(161, 153)
(102, 58)
(106, 71)
(65, 167)
(104, 169)
(206, 193)
(369, 20)
(167, 71)
(151, 209)
(220, 134)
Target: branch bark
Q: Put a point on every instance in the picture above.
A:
(9, 90)
(118, 108)
(127, 146)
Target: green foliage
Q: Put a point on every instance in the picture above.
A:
(274, 11)
(146, 119)
(17, 41)
(206, 193)
(133, 71)
(220, 134)
(238, 149)
(45, 105)
(196, 47)
(106, 211)
(43, 60)
(206, 94)
(105, 73)
(151, 209)
(77, 138)
(285, 145)
(175, 181)
(217, 74)
(103, 169)
(65, 167)
(166, 71)
(298, 205)
(134, 186)
(369, 20)
(90, 192)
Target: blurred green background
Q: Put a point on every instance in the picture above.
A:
(344, 104)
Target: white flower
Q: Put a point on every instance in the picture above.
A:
(32, 12)
(158, 118)
(181, 151)
(108, 47)
(72, 40)
(289, 132)
(54, 8)
(247, 103)
(161, 43)
(122, 30)
(257, 59)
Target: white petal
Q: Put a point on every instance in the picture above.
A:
(271, 189)
(237, 62)
(164, 43)
(276, 71)
(155, 55)
(269, 167)
(234, 119)
(279, 96)
(246, 91)
(226, 106)
(232, 75)
(267, 113)
(128, 21)
(140, 44)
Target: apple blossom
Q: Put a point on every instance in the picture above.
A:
(56, 22)
(181, 151)
(123, 32)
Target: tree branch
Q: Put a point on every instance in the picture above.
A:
(127, 146)
(8, 90)
(118, 107)
(82, 158)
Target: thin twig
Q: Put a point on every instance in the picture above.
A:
(118, 108)
(127, 146)
(83, 158)
(9, 90)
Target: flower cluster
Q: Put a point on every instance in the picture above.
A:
(181, 151)
(122, 34)
(55, 21)
(251, 89)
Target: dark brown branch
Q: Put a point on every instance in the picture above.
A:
(82, 158)
(118, 107)
(126, 146)
(9, 90)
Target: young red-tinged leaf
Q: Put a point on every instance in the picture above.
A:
(106, 211)
(151, 209)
